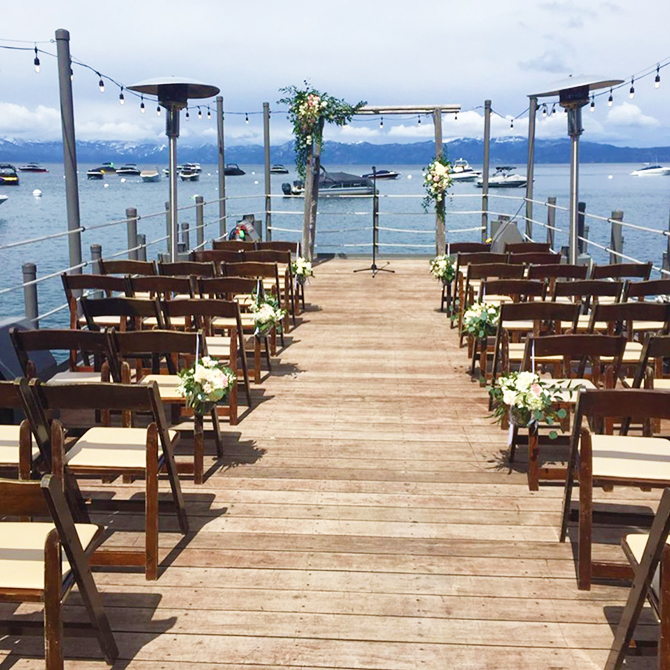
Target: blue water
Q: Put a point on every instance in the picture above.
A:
(604, 188)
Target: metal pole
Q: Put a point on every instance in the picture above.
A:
(551, 220)
(485, 169)
(185, 237)
(96, 255)
(131, 216)
(69, 146)
(142, 251)
(666, 255)
(174, 224)
(30, 293)
(440, 235)
(268, 182)
(530, 167)
(616, 244)
(167, 218)
(574, 130)
(199, 221)
(582, 230)
(222, 167)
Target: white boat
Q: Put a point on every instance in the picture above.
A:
(150, 175)
(504, 178)
(188, 174)
(193, 167)
(461, 171)
(334, 184)
(651, 171)
(3, 198)
(129, 169)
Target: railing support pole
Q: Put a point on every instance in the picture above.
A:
(142, 244)
(582, 229)
(485, 170)
(69, 146)
(30, 293)
(131, 216)
(530, 167)
(167, 221)
(96, 255)
(616, 243)
(199, 221)
(222, 167)
(551, 220)
(268, 182)
(185, 237)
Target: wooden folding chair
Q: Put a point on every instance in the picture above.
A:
(41, 561)
(554, 272)
(108, 452)
(571, 348)
(132, 313)
(644, 289)
(527, 247)
(622, 271)
(164, 288)
(605, 460)
(92, 286)
(649, 556)
(176, 350)
(79, 344)
(123, 266)
(535, 258)
(211, 317)
(588, 293)
(649, 373)
(283, 260)
(188, 269)
(463, 260)
(18, 451)
(236, 245)
(449, 289)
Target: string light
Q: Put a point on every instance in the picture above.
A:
(101, 83)
(610, 100)
(142, 107)
(246, 118)
(188, 116)
(544, 111)
(631, 93)
(122, 100)
(37, 62)
(158, 110)
(455, 116)
(553, 109)
(657, 78)
(381, 122)
(593, 103)
(418, 120)
(511, 124)
(199, 113)
(209, 113)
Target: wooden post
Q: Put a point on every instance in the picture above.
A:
(307, 204)
(311, 195)
(268, 182)
(440, 235)
(485, 169)
(222, 167)
(142, 243)
(530, 168)
(616, 243)
(551, 220)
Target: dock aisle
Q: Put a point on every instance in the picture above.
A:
(365, 518)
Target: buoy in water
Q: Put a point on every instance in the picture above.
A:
(106, 185)
(610, 176)
(37, 193)
(123, 179)
(255, 182)
(409, 176)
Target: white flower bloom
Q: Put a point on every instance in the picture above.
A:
(509, 397)
(524, 380)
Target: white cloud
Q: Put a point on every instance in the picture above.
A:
(629, 115)
(20, 122)
(354, 132)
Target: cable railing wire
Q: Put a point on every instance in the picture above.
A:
(35, 240)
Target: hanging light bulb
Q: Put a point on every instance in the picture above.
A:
(455, 116)
(122, 100)
(381, 122)
(610, 100)
(101, 83)
(158, 110)
(657, 79)
(553, 109)
(188, 116)
(418, 120)
(246, 119)
(544, 111)
(631, 93)
(142, 107)
(511, 124)
(71, 74)
(37, 62)
(593, 103)
(199, 113)
(565, 109)
(209, 113)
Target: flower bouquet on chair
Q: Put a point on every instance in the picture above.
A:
(481, 320)
(267, 314)
(443, 269)
(301, 269)
(205, 384)
(526, 400)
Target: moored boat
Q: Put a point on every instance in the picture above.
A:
(150, 175)
(95, 173)
(130, 169)
(8, 176)
(188, 174)
(461, 171)
(334, 184)
(278, 168)
(107, 168)
(32, 167)
(504, 178)
(381, 174)
(233, 170)
(651, 171)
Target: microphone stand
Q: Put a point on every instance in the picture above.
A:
(375, 233)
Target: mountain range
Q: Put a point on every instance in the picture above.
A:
(503, 150)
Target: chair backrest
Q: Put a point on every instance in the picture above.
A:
(500, 270)
(251, 269)
(622, 271)
(480, 258)
(517, 288)
(526, 247)
(468, 247)
(557, 271)
(584, 289)
(538, 310)
(268, 256)
(122, 266)
(82, 282)
(217, 256)
(201, 311)
(535, 258)
(645, 288)
(226, 287)
(187, 268)
(163, 287)
(76, 342)
(281, 245)
(131, 311)
(158, 345)
(655, 346)
(606, 403)
(620, 314)
(237, 245)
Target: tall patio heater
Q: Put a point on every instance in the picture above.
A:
(573, 94)
(174, 93)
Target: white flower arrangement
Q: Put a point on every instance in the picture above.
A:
(443, 268)
(481, 319)
(301, 269)
(205, 384)
(436, 181)
(267, 314)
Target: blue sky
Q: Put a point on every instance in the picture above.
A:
(382, 51)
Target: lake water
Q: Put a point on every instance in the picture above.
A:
(343, 223)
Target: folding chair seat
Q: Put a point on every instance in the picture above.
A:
(605, 460)
(94, 285)
(175, 349)
(107, 452)
(41, 561)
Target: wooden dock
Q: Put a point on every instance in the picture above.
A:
(365, 517)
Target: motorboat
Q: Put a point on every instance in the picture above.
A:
(651, 171)
(150, 175)
(461, 171)
(107, 168)
(233, 170)
(33, 167)
(381, 174)
(3, 198)
(194, 167)
(504, 178)
(278, 168)
(95, 173)
(130, 169)
(334, 184)
(8, 176)
(188, 174)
